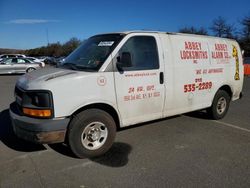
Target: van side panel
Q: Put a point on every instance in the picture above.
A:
(199, 66)
(81, 90)
(192, 89)
(225, 56)
(169, 77)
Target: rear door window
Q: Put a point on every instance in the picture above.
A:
(21, 61)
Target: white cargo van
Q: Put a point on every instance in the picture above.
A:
(120, 79)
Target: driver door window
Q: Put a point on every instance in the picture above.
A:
(143, 53)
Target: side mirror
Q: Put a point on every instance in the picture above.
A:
(124, 61)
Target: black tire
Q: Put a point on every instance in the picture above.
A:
(30, 69)
(86, 133)
(220, 105)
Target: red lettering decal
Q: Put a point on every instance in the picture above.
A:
(138, 96)
(140, 89)
(131, 90)
(150, 88)
(126, 98)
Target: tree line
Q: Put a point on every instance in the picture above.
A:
(219, 27)
(55, 49)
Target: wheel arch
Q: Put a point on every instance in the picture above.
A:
(102, 106)
(228, 89)
(213, 109)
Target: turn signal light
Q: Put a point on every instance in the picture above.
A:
(37, 113)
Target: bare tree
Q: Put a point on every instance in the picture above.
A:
(245, 36)
(193, 30)
(246, 27)
(220, 28)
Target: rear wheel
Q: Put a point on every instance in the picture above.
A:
(91, 133)
(30, 69)
(220, 105)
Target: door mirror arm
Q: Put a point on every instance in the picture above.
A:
(119, 67)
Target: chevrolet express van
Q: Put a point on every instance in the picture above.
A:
(120, 79)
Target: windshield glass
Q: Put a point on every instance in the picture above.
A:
(92, 53)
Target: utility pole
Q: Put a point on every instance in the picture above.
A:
(47, 34)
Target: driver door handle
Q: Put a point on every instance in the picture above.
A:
(161, 77)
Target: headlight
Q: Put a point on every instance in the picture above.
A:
(37, 99)
(37, 104)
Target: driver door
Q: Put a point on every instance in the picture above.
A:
(139, 82)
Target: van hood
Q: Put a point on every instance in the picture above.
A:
(40, 78)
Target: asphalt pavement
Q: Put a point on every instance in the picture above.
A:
(183, 151)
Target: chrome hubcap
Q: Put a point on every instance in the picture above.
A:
(221, 105)
(94, 135)
(30, 69)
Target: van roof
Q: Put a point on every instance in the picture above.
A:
(169, 33)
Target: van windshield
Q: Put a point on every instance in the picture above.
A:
(92, 53)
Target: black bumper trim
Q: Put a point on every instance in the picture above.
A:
(38, 130)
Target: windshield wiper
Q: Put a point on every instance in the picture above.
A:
(83, 67)
(74, 66)
(70, 65)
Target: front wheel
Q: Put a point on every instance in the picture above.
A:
(91, 133)
(220, 105)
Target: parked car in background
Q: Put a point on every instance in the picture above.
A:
(60, 61)
(18, 65)
(54, 61)
(50, 61)
(4, 56)
(36, 60)
(42, 58)
(246, 64)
